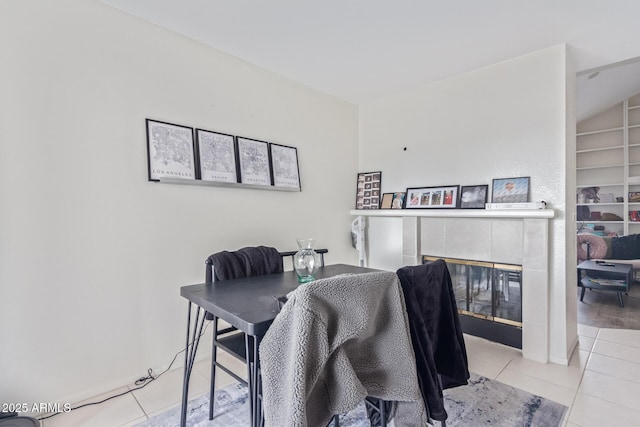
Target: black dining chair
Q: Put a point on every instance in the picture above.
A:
(225, 265)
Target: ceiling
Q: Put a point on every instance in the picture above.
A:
(360, 50)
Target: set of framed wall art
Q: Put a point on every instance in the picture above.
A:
(182, 152)
(504, 190)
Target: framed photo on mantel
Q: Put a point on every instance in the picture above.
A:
(398, 200)
(386, 200)
(473, 196)
(368, 190)
(510, 190)
(432, 197)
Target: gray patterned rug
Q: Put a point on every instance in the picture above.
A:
(483, 402)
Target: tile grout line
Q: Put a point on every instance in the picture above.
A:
(611, 356)
(139, 404)
(582, 372)
(603, 374)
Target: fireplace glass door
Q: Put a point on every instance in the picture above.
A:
(507, 295)
(486, 290)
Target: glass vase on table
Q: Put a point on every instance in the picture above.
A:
(306, 261)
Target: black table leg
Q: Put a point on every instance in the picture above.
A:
(191, 348)
(250, 378)
(185, 379)
(253, 375)
(620, 299)
(256, 382)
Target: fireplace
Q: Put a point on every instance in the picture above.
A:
(503, 237)
(489, 298)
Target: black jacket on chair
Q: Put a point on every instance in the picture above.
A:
(436, 334)
(245, 262)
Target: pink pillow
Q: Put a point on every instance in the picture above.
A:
(597, 247)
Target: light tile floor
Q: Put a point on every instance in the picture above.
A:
(601, 384)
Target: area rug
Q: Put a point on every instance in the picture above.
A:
(483, 402)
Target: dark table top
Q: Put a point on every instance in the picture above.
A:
(249, 303)
(617, 267)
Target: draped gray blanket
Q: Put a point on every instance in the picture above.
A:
(335, 342)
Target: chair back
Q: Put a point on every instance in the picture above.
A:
(245, 262)
(249, 261)
(336, 341)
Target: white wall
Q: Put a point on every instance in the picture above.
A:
(506, 120)
(92, 255)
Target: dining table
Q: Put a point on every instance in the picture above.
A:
(250, 304)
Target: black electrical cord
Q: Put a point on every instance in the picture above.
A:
(140, 382)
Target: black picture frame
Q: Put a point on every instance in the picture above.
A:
(368, 188)
(253, 161)
(398, 200)
(386, 200)
(217, 154)
(170, 151)
(510, 190)
(442, 197)
(284, 166)
(474, 196)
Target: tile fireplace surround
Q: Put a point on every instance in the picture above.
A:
(507, 236)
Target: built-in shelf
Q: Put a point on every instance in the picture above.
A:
(601, 222)
(456, 213)
(602, 204)
(595, 132)
(608, 158)
(599, 185)
(593, 150)
(619, 165)
(224, 184)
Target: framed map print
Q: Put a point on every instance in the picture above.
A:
(217, 156)
(284, 161)
(170, 151)
(253, 156)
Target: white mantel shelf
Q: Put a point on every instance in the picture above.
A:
(456, 213)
